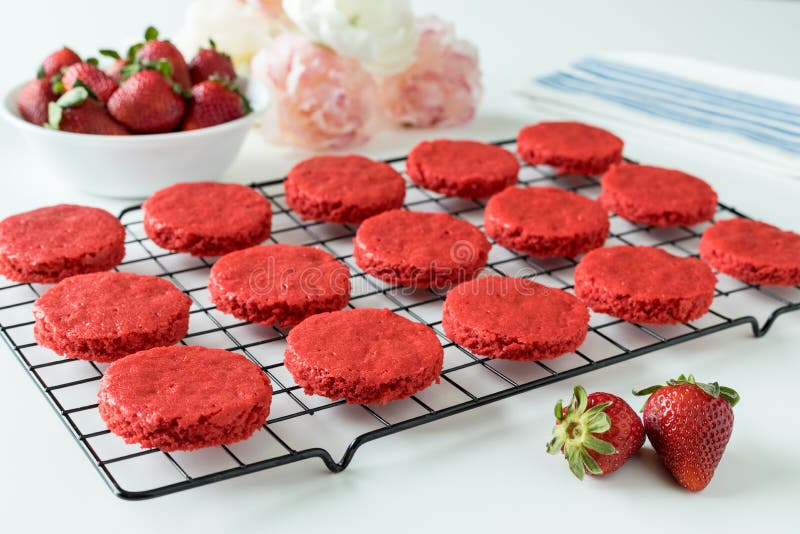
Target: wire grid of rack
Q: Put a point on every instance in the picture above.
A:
(300, 426)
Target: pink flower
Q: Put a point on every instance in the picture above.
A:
(320, 100)
(442, 87)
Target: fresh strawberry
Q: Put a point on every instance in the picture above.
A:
(76, 112)
(210, 62)
(689, 424)
(213, 102)
(91, 117)
(147, 103)
(596, 433)
(56, 61)
(33, 100)
(97, 81)
(153, 50)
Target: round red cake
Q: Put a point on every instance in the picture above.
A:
(514, 319)
(571, 147)
(207, 218)
(184, 398)
(280, 284)
(466, 169)
(343, 189)
(753, 251)
(656, 196)
(49, 244)
(412, 248)
(644, 284)
(363, 356)
(545, 221)
(105, 316)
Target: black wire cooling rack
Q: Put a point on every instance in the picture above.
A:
(300, 426)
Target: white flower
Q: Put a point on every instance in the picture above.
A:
(240, 28)
(379, 33)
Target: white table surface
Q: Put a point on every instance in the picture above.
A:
(485, 469)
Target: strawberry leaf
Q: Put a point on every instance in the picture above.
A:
(559, 411)
(646, 391)
(107, 52)
(596, 410)
(74, 97)
(129, 70)
(212, 43)
(57, 84)
(598, 445)
(590, 464)
(54, 113)
(599, 424)
(729, 395)
(581, 400)
(79, 83)
(132, 51)
(163, 66)
(713, 388)
(40, 72)
(555, 445)
(575, 462)
(92, 61)
(150, 34)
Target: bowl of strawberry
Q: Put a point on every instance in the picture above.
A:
(145, 120)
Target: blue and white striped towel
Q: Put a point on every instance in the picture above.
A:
(683, 102)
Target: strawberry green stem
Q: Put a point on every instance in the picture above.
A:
(90, 93)
(108, 52)
(713, 389)
(574, 433)
(150, 34)
(74, 97)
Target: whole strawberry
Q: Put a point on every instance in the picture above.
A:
(56, 61)
(213, 102)
(210, 62)
(97, 81)
(33, 100)
(154, 50)
(76, 112)
(147, 103)
(596, 433)
(689, 424)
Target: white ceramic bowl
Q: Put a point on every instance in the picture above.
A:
(134, 166)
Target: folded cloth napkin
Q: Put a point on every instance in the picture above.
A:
(753, 115)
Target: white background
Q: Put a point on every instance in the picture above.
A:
(485, 469)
